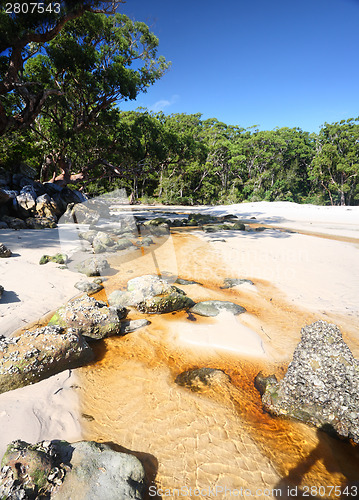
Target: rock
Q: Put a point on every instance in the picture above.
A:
(321, 385)
(89, 288)
(157, 221)
(261, 382)
(231, 282)
(214, 307)
(181, 281)
(4, 251)
(200, 219)
(40, 223)
(25, 469)
(59, 258)
(59, 470)
(234, 226)
(149, 285)
(1, 291)
(129, 326)
(91, 317)
(26, 201)
(46, 207)
(97, 472)
(4, 196)
(169, 302)
(101, 242)
(93, 266)
(3, 225)
(80, 214)
(87, 235)
(38, 354)
(202, 378)
(14, 222)
(123, 243)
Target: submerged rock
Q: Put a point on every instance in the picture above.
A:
(321, 386)
(231, 282)
(128, 326)
(91, 317)
(4, 251)
(201, 378)
(85, 470)
(182, 281)
(38, 354)
(214, 307)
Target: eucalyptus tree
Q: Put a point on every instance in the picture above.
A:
(335, 167)
(112, 59)
(26, 28)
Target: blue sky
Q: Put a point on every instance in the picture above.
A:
(256, 62)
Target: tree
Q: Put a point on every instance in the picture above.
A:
(335, 167)
(112, 59)
(24, 32)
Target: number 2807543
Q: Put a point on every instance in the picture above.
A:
(31, 8)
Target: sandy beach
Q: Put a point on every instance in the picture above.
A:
(304, 267)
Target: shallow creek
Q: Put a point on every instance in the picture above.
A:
(219, 437)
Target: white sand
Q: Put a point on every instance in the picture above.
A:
(319, 274)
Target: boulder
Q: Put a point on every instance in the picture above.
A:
(214, 307)
(175, 300)
(101, 242)
(321, 385)
(149, 285)
(26, 201)
(36, 355)
(157, 221)
(93, 266)
(93, 318)
(14, 222)
(1, 290)
(46, 207)
(4, 251)
(202, 378)
(40, 223)
(3, 225)
(4, 196)
(85, 470)
(123, 243)
(80, 214)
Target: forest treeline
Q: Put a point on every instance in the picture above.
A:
(183, 159)
(63, 75)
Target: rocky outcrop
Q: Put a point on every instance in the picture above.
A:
(202, 378)
(21, 197)
(214, 307)
(38, 354)
(4, 251)
(321, 385)
(59, 470)
(91, 317)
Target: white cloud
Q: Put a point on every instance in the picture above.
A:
(163, 103)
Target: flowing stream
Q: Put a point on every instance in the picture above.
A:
(218, 441)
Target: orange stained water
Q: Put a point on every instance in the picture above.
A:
(219, 437)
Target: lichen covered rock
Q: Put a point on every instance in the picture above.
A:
(91, 317)
(36, 355)
(321, 385)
